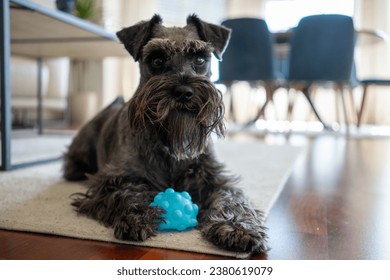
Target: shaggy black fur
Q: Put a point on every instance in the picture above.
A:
(160, 138)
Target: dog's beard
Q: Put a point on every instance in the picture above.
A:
(183, 127)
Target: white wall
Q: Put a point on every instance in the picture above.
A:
(110, 77)
(47, 3)
(133, 12)
(245, 8)
(373, 60)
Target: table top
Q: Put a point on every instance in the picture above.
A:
(37, 31)
(364, 37)
(368, 37)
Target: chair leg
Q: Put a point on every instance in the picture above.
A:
(268, 98)
(337, 105)
(271, 90)
(229, 92)
(365, 87)
(341, 91)
(290, 105)
(307, 93)
(353, 107)
(259, 113)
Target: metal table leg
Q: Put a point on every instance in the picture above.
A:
(40, 97)
(5, 86)
(5, 101)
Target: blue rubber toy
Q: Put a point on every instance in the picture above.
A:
(180, 213)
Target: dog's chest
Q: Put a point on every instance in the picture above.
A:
(164, 172)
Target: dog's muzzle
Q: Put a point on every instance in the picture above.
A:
(182, 111)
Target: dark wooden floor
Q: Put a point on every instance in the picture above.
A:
(336, 205)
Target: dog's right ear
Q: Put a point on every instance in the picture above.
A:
(136, 36)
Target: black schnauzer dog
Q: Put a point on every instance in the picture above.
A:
(160, 138)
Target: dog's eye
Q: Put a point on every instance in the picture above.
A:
(157, 62)
(199, 61)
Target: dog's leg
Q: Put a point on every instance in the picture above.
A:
(122, 205)
(226, 217)
(229, 221)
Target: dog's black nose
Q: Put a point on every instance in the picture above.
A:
(183, 93)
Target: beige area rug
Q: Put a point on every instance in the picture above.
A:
(36, 199)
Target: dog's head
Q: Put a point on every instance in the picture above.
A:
(176, 99)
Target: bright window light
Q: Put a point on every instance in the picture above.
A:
(282, 15)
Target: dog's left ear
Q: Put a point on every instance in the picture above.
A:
(217, 35)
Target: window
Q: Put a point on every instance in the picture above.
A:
(284, 14)
(175, 12)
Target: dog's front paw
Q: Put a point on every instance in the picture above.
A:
(124, 231)
(136, 226)
(236, 236)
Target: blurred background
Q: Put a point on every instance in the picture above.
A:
(75, 89)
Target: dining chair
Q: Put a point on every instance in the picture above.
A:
(249, 57)
(322, 52)
(366, 83)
